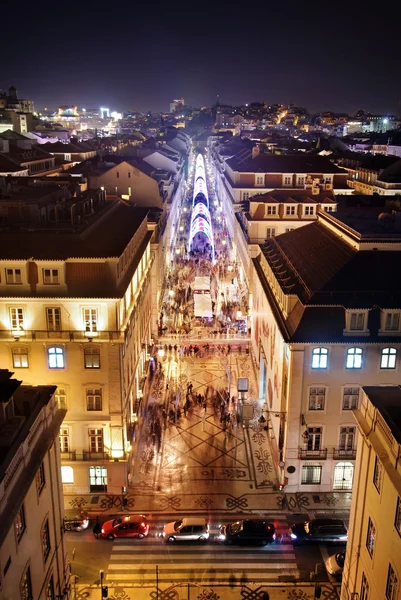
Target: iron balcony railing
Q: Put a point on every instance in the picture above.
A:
(341, 452)
(312, 454)
(88, 455)
(29, 335)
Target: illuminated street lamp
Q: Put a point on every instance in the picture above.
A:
(239, 314)
(160, 352)
(229, 268)
(171, 293)
(181, 228)
(224, 242)
(177, 251)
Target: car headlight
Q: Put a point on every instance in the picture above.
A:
(164, 534)
(102, 530)
(222, 536)
(344, 538)
(293, 536)
(274, 536)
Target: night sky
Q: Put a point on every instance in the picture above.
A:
(325, 56)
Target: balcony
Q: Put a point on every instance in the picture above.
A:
(69, 456)
(88, 455)
(94, 456)
(312, 454)
(30, 335)
(343, 453)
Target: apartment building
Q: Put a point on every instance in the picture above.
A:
(326, 320)
(372, 173)
(76, 313)
(372, 569)
(33, 556)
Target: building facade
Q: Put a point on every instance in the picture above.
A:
(372, 568)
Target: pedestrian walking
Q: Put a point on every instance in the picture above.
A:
(97, 529)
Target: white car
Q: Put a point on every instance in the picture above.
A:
(335, 564)
(187, 529)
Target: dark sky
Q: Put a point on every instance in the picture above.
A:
(325, 56)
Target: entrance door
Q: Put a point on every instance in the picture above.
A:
(343, 476)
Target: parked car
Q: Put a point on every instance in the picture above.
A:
(135, 526)
(75, 519)
(335, 564)
(319, 531)
(187, 529)
(250, 531)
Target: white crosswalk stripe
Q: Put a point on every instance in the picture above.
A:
(134, 561)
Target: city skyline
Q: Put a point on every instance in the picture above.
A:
(144, 60)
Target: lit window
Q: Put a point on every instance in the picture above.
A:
(357, 321)
(350, 398)
(311, 474)
(300, 180)
(26, 585)
(19, 523)
(287, 180)
(94, 399)
(50, 276)
(314, 442)
(245, 195)
(392, 322)
(98, 479)
(364, 588)
(55, 357)
(319, 358)
(270, 232)
(17, 319)
(388, 358)
(317, 398)
(67, 474)
(53, 319)
(13, 276)
(96, 440)
(354, 358)
(40, 478)
(392, 584)
(260, 179)
(92, 358)
(90, 319)
(61, 397)
(397, 521)
(45, 539)
(20, 358)
(378, 474)
(371, 537)
(309, 210)
(64, 439)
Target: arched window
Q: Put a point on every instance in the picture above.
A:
(319, 358)
(56, 357)
(354, 358)
(388, 358)
(92, 357)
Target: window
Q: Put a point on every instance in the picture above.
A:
(50, 276)
(392, 584)
(13, 276)
(92, 358)
(388, 358)
(61, 397)
(378, 474)
(357, 321)
(392, 321)
(364, 588)
(309, 210)
(397, 521)
(300, 180)
(45, 539)
(317, 398)
(270, 232)
(319, 358)
(98, 479)
(288, 229)
(50, 594)
(20, 523)
(67, 474)
(94, 399)
(354, 358)
(347, 438)
(315, 438)
(26, 585)
(287, 180)
(245, 195)
(350, 398)
(118, 174)
(90, 319)
(371, 537)
(96, 440)
(67, 156)
(55, 357)
(53, 319)
(40, 478)
(64, 439)
(260, 179)
(17, 318)
(20, 358)
(311, 474)
(290, 210)
(129, 176)
(272, 210)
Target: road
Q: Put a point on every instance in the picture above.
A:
(133, 561)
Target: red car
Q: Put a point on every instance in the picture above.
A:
(127, 526)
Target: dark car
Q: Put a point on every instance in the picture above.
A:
(251, 531)
(135, 526)
(75, 519)
(319, 531)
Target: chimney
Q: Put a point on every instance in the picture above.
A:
(255, 151)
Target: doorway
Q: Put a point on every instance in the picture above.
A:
(343, 476)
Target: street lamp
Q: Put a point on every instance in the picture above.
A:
(160, 352)
(171, 293)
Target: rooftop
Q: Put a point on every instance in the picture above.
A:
(387, 400)
(283, 163)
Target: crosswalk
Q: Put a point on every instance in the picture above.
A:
(134, 561)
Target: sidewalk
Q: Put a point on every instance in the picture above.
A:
(247, 591)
